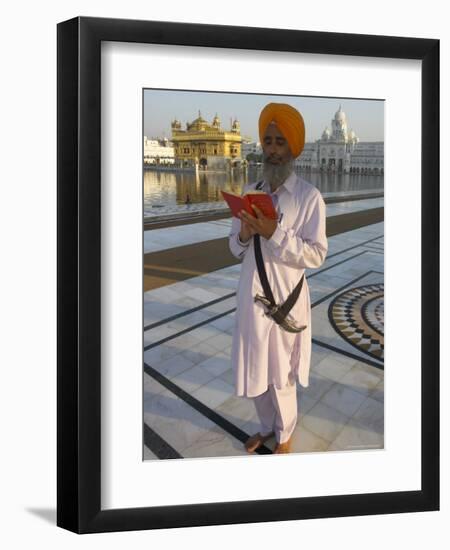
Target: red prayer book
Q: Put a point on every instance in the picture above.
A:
(244, 202)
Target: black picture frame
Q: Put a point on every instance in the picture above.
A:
(79, 275)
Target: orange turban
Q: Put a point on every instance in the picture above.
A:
(289, 121)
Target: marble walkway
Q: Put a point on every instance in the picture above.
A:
(169, 237)
(190, 409)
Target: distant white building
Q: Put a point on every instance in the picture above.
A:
(340, 150)
(368, 158)
(158, 151)
(251, 147)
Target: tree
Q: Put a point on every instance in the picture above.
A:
(253, 157)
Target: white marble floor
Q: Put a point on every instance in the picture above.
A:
(170, 237)
(189, 399)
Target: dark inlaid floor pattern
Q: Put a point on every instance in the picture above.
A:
(358, 316)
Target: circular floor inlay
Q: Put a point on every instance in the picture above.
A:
(358, 316)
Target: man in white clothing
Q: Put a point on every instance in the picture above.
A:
(268, 359)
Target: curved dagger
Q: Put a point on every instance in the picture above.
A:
(287, 323)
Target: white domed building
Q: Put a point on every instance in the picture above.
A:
(326, 134)
(339, 150)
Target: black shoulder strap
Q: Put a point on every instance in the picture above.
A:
(260, 262)
(262, 270)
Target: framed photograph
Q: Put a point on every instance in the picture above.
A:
(159, 124)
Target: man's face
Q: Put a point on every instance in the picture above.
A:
(275, 146)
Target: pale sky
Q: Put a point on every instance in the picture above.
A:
(364, 116)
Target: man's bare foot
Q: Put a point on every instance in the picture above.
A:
(282, 448)
(256, 440)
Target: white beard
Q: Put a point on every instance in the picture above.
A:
(277, 174)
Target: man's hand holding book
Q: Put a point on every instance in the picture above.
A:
(256, 212)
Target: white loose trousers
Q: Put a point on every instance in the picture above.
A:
(277, 411)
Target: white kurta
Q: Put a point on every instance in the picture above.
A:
(262, 352)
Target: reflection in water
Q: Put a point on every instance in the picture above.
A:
(171, 188)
